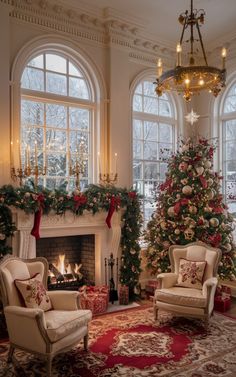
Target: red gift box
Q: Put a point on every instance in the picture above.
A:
(151, 286)
(222, 304)
(95, 298)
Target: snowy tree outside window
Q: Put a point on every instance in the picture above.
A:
(56, 114)
(153, 141)
(229, 148)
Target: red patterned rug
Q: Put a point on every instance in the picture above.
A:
(132, 344)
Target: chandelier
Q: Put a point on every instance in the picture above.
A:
(191, 78)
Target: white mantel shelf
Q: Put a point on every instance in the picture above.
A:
(107, 240)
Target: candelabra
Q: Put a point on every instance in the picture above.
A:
(80, 164)
(27, 171)
(108, 179)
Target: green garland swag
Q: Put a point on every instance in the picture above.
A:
(94, 199)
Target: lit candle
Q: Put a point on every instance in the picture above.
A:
(99, 164)
(223, 54)
(36, 153)
(28, 156)
(11, 154)
(19, 152)
(178, 50)
(115, 163)
(159, 68)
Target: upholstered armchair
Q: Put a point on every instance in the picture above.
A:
(39, 321)
(189, 289)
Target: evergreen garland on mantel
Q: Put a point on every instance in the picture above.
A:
(94, 199)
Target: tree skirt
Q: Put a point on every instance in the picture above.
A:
(132, 344)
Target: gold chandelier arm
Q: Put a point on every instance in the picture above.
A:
(201, 42)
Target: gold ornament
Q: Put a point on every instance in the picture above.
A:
(171, 211)
(199, 170)
(163, 225)
(193, 210)
(177, 231)
(207, 164)
(189, 234)
(187, 190)
(214, 222)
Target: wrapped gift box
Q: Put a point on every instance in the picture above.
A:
(150, 287)
(95, 298)
(222, 301)
(123, 295)
(222, 304)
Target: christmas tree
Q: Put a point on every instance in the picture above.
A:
(190, 208)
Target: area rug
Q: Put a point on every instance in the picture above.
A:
(132, 344)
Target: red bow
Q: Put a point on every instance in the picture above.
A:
(215, 239)
(132, 194)
(181, 202)
(203, 181)
(79, 200)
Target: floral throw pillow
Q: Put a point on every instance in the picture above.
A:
(191, 273)
(33, 292)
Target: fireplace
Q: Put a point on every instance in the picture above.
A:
(71, 259)
(106, 241)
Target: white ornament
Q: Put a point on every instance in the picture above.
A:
(214, 222)
(199, 170)
(207, 164)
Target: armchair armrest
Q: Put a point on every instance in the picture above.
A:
(167, 279)
(64, 300)
(208, 290)
(22, 321)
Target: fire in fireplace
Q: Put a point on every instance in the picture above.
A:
(71, 260)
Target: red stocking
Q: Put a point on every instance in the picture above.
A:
(37, 219)
(110, 212)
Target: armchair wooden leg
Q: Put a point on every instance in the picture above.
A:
(10, 353)
(49, 366)
(86, 342)
(155, 313)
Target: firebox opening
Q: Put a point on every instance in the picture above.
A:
(71, 260)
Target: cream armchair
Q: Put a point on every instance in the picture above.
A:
(34, 330)
(189, 297)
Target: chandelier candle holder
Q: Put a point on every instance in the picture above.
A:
(191, 78)
(108, 179)
(78, 168)
(29, 168)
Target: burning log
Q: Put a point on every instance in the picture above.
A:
(76, 271)
(56, 272)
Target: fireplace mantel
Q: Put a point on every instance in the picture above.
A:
(107, 240)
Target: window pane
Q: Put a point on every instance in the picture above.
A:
(230, 150)
(149, 89)
(165, 132)
(164, 109)
(31, 135)
(55, 116)
(55, 63)
(150, 105)
(32, 79)
(56, 165)
(75, 140)
(74, 71)
(230, 104)
(78, 118)
(137, 103)
(231, 129)
(137, 149)
(165, 150)
(56, 83)
(230, 189)
(150, 131)
(138, 186)
(139, 89)
(163, 171)
(78, 88)
(150, 151)
(36, 62)
(32, 113)
(137, 170)
(148, 209)
(232, 91)
(151, 171)
(56, 140)
(149, 188)
(137, 129)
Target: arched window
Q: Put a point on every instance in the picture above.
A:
(56, 120)
(153, 141)
(229, 147)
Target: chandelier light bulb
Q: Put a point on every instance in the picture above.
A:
(187, 81)
(201, 81)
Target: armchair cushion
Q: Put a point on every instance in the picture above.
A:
(60, 323)
(33, 292)
(191, 273)
(182, 296)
